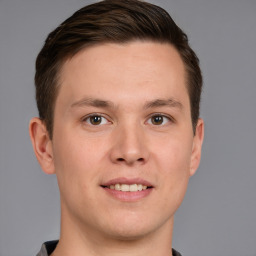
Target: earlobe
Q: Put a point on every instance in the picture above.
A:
(42, 145)
(197, 146)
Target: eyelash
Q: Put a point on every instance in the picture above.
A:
(87, 120)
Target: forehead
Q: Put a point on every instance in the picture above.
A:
(134, 53)
(129, 68)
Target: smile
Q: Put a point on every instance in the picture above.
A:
(127, 187)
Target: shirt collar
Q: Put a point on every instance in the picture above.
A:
(48, 248)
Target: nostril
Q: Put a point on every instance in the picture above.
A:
(130, 160)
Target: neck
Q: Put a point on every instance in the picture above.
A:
(76, 239)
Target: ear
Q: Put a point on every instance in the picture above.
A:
(42, 145)
(197, 146)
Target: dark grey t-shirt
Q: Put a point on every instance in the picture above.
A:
(48, 247)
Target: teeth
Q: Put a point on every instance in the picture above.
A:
(128, 188)
(125, 188)
(133, 187)
(117, 187)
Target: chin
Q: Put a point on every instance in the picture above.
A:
(129, 234)
(133, 228)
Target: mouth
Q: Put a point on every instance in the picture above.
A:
(128, 189)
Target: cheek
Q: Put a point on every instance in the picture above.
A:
(77, 153)
(173, 155)
(173, 161)
(79, 160)
(75, 163)
(175, 169)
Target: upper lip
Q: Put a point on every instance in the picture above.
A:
(128, 181)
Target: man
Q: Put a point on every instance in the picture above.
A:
(118, 92)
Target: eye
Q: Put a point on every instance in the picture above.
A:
(95, 120)
(159, 119)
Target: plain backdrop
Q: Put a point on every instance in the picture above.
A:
(218, 215)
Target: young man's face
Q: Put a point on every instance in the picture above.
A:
(123, 121)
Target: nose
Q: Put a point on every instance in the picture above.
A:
(130, 146)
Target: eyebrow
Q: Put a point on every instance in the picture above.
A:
(162, 103)
(99, 103)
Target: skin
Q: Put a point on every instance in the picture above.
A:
(126, 84)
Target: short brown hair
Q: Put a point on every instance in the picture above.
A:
(116, 21)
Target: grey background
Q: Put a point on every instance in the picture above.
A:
(218, 216)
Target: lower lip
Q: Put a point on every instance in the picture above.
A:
(128, 196)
